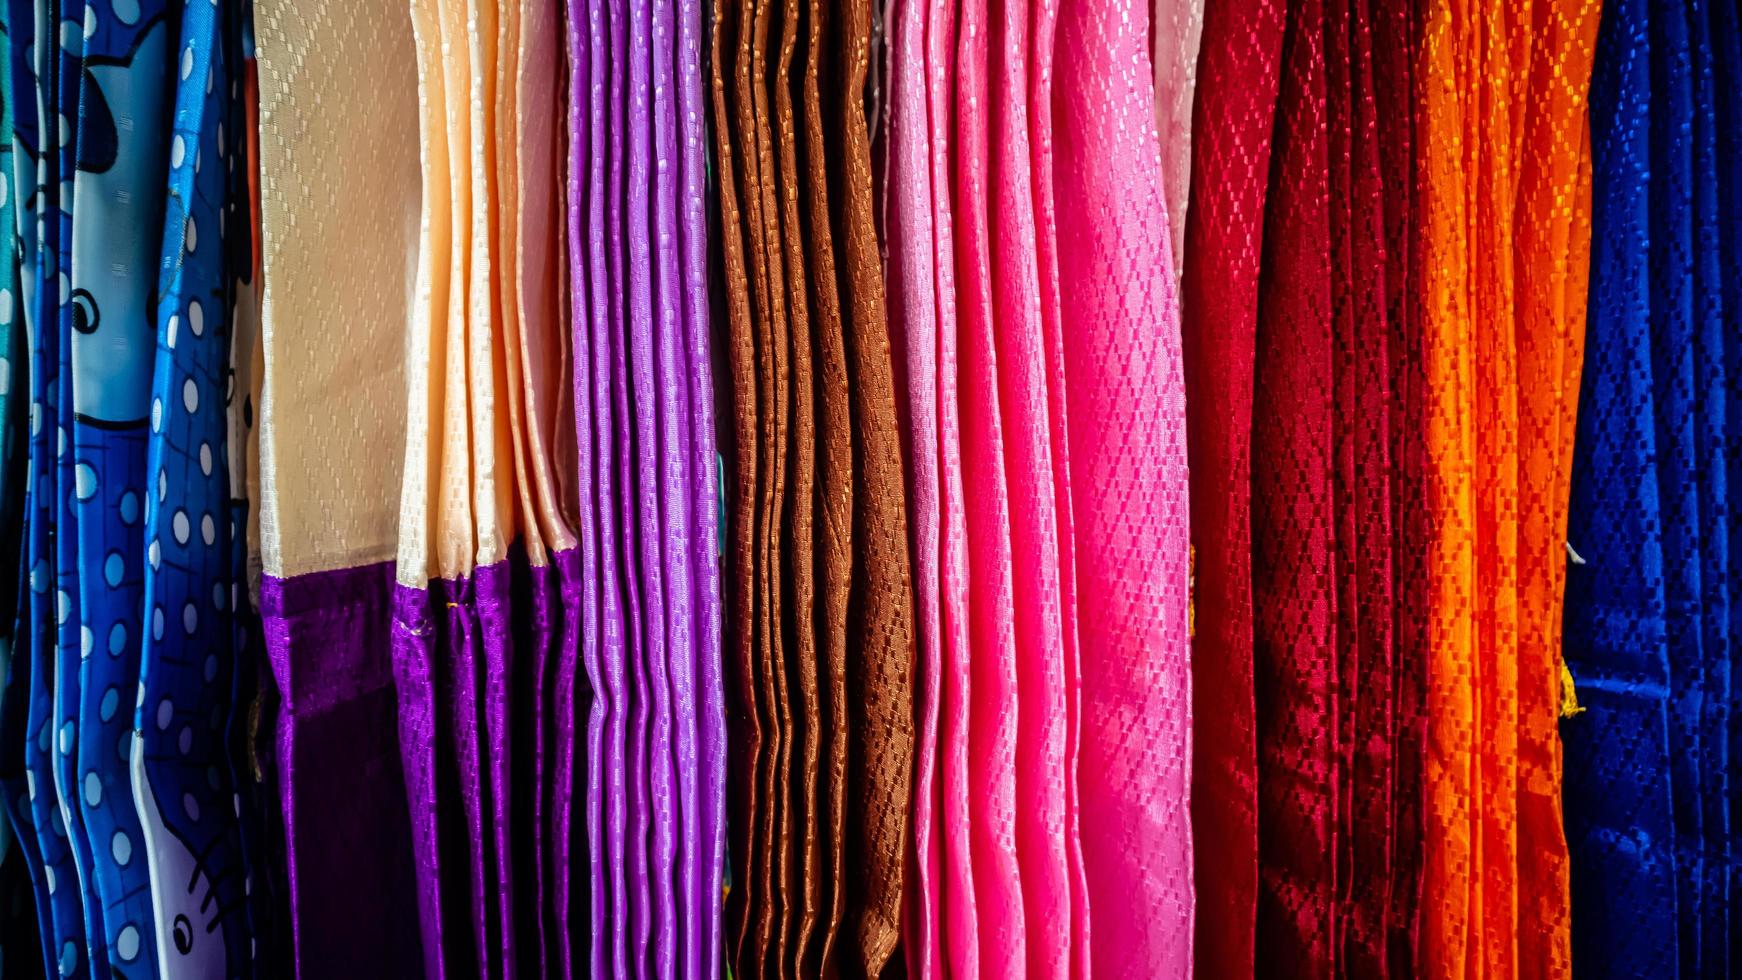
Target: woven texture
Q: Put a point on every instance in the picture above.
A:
(1651, 609)
(1127, 438)
(1235, 105)
(1499, 336)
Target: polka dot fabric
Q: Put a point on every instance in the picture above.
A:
(181, 766)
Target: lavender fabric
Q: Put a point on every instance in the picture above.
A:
(648, 589)
(348, 852)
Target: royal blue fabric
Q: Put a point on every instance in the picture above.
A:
(1649, 611)
(117, 230)
(183, 769)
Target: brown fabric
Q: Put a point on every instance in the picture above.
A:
(739, 34)
(800, 883)
(880, 654)
(835, 454)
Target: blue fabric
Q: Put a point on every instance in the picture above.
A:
(117, 233)
(1650, 612)
(183, 770)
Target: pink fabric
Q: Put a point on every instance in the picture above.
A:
(992, 713)
(1027, 397)
(1127, 453)
(960, 901)
(913, 322)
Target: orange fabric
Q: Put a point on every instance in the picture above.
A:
(1504, 174)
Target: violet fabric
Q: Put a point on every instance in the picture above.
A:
(348, 852)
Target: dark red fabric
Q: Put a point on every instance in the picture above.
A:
(1232, 122)
(1393, 33)
(1293, 537)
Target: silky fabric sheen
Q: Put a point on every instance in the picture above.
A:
(1650, 611)
(326, 402)
(1499, 336)
(1236, 99)
(1128, 458)
(1177, 30)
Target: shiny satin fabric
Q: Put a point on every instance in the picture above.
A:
(1128, 458)
(913, 324)
(993, 709)
(819, 530)
(329, 399)
(1649, 637)
(1294, 532)
(1177, 31)
(1237, 85)
(653, 811)
(1498, 394)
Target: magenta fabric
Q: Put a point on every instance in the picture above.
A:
(960, 901)
(992, 668)
(348, 848)
(1028, 396)
(1127, 452)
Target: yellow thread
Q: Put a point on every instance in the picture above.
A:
(1569, 696)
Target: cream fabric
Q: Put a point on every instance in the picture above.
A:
(339, 225)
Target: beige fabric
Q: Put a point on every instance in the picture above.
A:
(544, 354)
(426, 340)
(512, 327)
(493, 511)
(339, 225)
(453, 536)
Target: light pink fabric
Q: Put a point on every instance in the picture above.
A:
(1178, 28)
(913, 321)
(1128, 467)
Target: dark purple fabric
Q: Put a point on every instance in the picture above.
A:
(488, 619)
(347, 844)
(537, 622)
(413, 643)
(574, 598)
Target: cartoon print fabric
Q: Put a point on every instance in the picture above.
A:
(129, 788)
(801, 488)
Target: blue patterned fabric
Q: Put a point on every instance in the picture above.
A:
(182, 769)
(117, 232)
(1650, 611)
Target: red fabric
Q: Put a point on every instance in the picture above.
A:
(1232, 121)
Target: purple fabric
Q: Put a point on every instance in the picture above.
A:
(488, 620)
(537, 617)
(647, 570)
(575, 596)
(586, 277)
(347, 847)
(707, 787)
(413, 647)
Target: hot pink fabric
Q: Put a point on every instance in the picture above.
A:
(959, 899)
(992, 711)
(1128, 467)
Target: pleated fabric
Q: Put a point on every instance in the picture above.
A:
(331, 446)
(1233, 115)
(822, 621)
(1651, 598)
(1499, 243)
(1128, 456)
(1176, 31)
